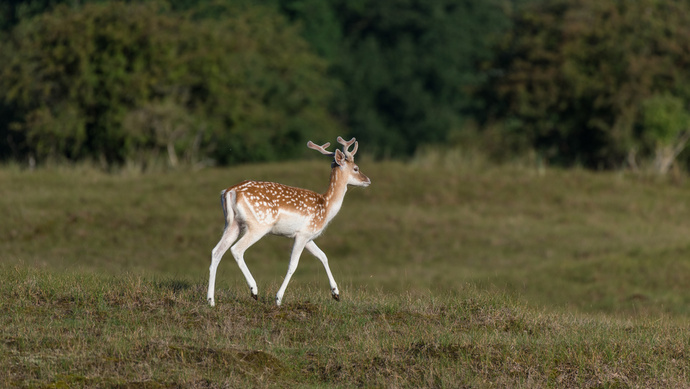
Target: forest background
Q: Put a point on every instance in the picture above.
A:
(601, 84)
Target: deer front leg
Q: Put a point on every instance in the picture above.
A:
(316, 251)
(297, 249)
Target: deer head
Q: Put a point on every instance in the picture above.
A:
(344, 160)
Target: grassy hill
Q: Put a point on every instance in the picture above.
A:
(450, 275)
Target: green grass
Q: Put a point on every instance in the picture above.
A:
(66, 330)
(450, 276)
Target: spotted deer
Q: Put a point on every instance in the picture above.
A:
(256, 208)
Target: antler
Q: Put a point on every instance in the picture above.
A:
(347, 144)
(321, 149)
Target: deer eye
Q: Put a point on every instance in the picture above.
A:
(356, 168)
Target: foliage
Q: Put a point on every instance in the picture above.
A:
(407, 67)
(244, 87)
(13, 11)
(666, 122)
(410, 65)
(321, 25)
(236, 80)
(574, 74)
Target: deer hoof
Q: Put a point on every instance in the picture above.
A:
(255, 297)
(336, 297)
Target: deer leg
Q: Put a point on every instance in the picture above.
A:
(316, 251)
(294, 260)
(229, 235)
(248, 239)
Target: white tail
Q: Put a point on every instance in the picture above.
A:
(259, 208)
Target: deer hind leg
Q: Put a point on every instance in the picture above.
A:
(316, 251)
(249, 238)
(229, 236)
(232, 230)
(297, 249)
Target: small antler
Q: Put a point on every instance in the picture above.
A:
(321, 149)
(346, 146)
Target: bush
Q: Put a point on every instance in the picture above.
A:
(573, 76)
(115, 81)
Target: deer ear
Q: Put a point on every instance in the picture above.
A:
(339, 157)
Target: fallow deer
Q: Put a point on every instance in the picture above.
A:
(256, 208)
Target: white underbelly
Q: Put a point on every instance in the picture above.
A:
(289, 224)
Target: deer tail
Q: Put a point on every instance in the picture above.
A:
(228, 213)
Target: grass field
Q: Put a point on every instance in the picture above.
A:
(450, 276)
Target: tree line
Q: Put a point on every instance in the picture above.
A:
(594, 83)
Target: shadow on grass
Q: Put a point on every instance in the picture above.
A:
(174, 285)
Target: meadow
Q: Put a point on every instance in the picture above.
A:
(452, 274)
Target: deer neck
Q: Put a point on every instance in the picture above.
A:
(335, 193)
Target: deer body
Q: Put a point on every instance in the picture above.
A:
(256, 208)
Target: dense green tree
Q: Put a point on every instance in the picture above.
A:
(319, 23)
(573, 76)
(409, 65)
(243, 87)
(12, 11)
(591, 82)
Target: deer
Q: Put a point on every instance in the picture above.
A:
(254, 209)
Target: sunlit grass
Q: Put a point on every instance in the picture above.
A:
(93, 330)
(450, 275)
